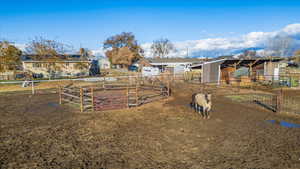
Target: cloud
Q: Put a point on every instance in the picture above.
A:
(98, 52)
(212, 47)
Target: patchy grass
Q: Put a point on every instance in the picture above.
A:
(239, 98)
(248, 97)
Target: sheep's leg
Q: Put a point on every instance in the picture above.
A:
(199, 109)
(204, 112)
(201, 112)
(208, 113)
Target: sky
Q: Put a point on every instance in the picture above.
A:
(87, 23)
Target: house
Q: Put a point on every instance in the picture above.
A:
(7, 75)
(173, 64)
(143, 62)
(60, 68)
(104, 63)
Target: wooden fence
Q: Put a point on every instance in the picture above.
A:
(112, 96)
(82, 97)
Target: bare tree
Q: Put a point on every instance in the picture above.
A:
(84, 53)
(162, 47)
(42, 49)
(280, 46)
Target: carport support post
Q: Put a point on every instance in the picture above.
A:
(81, 99)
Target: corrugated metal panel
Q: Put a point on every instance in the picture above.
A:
(211, 72)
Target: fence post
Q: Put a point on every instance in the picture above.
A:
(81, 99)
(279, 101)
(59, 92)
(32, 87)
(127, 87)
(92, 94)
(168, 88)
(103, 83)
(137, 95)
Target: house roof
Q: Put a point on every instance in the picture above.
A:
(245, 62)
(58, 61)
(240, 62)
(71, 57)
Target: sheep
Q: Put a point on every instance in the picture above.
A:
(202, 104)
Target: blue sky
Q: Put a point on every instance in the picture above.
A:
(89, 22)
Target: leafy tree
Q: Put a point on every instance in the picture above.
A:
(9, 57)
(162, 47)
(297, 56)
(44, 49)
(123, 49)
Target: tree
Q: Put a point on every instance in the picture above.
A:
(280, 46)
(124, 56)
(10, 57)
(297, 56)
(162, 47)
(44, 49)
(123, 49)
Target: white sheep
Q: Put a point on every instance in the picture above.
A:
(202, 104)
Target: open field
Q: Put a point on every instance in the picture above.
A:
(36, 132)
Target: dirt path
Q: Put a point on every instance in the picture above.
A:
(35, 132)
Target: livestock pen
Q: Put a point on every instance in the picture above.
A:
(114, 95)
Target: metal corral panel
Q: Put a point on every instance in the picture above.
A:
(269, 70)
(211, 71)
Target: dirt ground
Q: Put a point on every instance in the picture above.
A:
(36, 132)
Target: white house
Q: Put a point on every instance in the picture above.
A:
(104, 63)
(60, 68)
(173, 64)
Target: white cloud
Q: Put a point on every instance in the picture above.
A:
(293, 29)
(98, 52)
(223, 46)
(211, 47)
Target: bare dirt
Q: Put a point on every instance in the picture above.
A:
(36, 132)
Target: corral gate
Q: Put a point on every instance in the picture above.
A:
(110, 101)
(269, 101)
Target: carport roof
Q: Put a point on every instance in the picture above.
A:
(246, 62)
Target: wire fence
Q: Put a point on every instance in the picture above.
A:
(263, 89)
